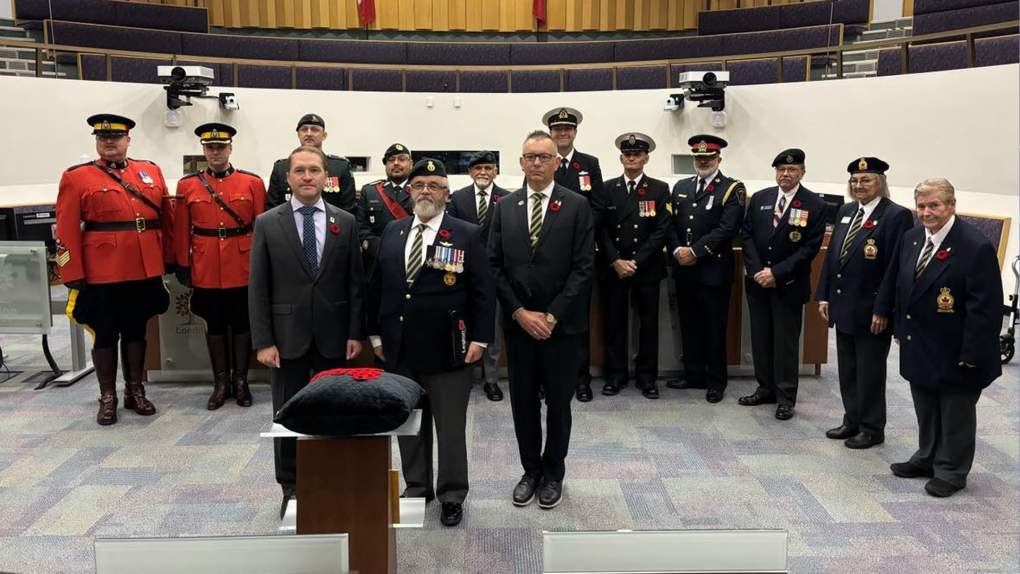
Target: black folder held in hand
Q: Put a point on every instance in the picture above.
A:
(458, 339)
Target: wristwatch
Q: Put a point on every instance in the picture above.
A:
(549, 317)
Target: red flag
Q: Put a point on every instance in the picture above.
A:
(366, 9)
(538, 9)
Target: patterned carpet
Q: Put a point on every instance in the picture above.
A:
(669, 464)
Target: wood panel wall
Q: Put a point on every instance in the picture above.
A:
(467, 15)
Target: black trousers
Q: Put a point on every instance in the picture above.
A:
(222, 309)
(862, 369)
(113, 311)
(549, 365)
(646, 305)
(445, 402)
(704, 313)
(775, 341)
(292, 376)
(947, 427)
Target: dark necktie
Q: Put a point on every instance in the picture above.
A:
(925, 258)
(854, 228)
(308, 238)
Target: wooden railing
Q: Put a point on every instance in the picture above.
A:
(43, 51)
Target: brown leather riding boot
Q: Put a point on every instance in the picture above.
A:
(241, 348)
(105, 362)
(133, 359)
(219, 356)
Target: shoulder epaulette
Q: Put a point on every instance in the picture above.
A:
(186, 176)
(246, 172)
(74, 167)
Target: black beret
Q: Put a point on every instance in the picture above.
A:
(311, 119)
(395, 149)
(789, 156)
(867, 165)
(706, 145)
(482, 157)
(215, 133)
(427, 166)
(110, 124)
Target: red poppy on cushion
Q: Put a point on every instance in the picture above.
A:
(709, 187)
(555, 206)
(334, 229)
(942, 254)
(444, 234)
(796, 203)
(869, 224)
(577, 165)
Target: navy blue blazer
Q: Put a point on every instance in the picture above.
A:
(787, 249)
(851, 286)
(951, 314)
(464, 205)
(415, 320)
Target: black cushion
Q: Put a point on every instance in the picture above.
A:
(346, 402)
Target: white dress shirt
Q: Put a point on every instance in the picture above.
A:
(320, 223)
(936, 238)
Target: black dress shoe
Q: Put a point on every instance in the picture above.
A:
(493, 392)
(525, 490)
(864, 440)
(289, 492)
(713, 395)
(760, 397)
(452, 513)
(908, 470)
(684, 384)
(650, 391)
(841, 432)
(551, 494)
(935, 487)
(584, 393)
(784, 412)
(610, 389)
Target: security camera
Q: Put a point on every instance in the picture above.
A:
(228, 101)
(185, 75)
(674, 102)
(697, 81)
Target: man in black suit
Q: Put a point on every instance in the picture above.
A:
(305, 292)
(707, 211)
(339, 187)
(947, 293)
(382, 201)
(580, 173)
(632, 233)
(867, 232)
(434, 299)
(783, 231)
(475, 204)
(542, 248)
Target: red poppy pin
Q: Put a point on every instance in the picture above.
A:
(869, 224)
(942, 254)
(334, 229)
(796, 203)
(555, 206)
(710, 187)
(577, 165)
(641, 191)
(444, 234)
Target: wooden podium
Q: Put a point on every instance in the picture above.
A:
(344, 488)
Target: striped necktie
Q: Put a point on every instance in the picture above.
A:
(536, 218)
(414, 261)
(925, 258)
(777, 217)
(854, 228)
(483, 206)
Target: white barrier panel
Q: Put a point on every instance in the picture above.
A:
(309, 554)
(665, 552)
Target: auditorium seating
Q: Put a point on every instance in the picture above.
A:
(950, 55)
(933, 16)
(31, 14)
(853, 13)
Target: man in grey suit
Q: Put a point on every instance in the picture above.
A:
(305, 292)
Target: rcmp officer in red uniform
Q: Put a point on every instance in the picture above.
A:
(707, 211)
(631, 234)
(383, 201)
(114, 243)
(339, 190)
(214, 216)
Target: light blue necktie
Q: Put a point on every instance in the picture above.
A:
(308, 239)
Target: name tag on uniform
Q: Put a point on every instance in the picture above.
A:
(845, 219)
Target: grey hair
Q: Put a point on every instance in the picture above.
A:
(941, 185)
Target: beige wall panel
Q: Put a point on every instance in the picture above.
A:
(458, 14)
(556, 14)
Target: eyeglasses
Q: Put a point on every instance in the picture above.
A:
(861, 182)
(542, 157)
(432, 187)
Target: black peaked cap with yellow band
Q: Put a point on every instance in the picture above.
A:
(427, 166)
(562, 117)
(110, 124)
(215, 133)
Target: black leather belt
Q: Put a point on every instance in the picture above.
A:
(221, 232)
(138, 225)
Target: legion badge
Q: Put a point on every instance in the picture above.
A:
(795, 236)
(945, 301)
(871, 250)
